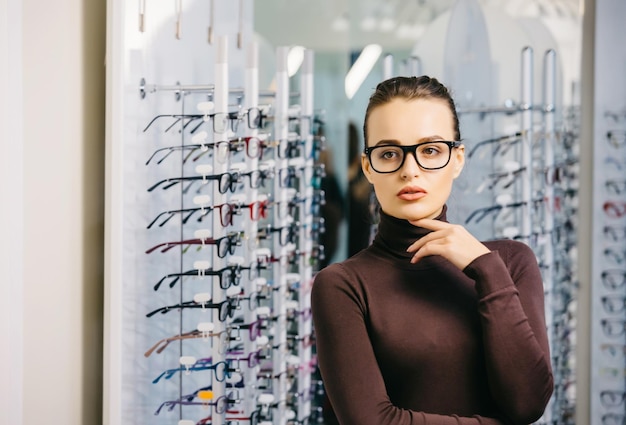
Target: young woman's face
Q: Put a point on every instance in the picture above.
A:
(412, 193)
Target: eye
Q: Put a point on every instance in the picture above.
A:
(429, 150)
(388, 153)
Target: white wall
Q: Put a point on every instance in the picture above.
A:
(11, 223)
(52, 190)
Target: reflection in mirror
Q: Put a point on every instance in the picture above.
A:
(359, 43)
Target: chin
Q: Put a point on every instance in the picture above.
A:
(416, 212)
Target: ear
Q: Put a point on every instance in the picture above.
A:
(459, 160)
(366, 167)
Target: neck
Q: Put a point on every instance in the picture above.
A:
(395, 235)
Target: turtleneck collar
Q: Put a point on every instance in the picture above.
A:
(394, 235)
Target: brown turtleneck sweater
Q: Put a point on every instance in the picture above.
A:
(401, 343)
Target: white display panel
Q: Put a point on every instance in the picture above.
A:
(608, 315)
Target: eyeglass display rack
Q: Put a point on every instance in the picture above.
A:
(608, 218)
(521, 182)
(217, 242)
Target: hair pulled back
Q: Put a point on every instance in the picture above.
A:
(410, 88)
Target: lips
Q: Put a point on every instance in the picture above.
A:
(411, 193)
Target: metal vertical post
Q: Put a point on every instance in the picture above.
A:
(251, 100)
(388, 66)
(527, 138)
(306, 243)
(281, 129)
(415, 66)
(220, 97)
(549, 105)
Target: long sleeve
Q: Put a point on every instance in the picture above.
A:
(347, 360)
(511, 308)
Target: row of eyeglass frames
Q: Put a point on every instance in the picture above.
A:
(244, 233)
(609, 273)
(529, 178)
(555, 189)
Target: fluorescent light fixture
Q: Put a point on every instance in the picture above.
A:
(361, 68)
(294, 60)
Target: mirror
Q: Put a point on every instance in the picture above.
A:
(474, 46)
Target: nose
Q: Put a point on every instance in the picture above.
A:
(410, 168)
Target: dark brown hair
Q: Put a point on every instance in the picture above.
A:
(410, 88)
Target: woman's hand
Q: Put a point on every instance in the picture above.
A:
(451, 241)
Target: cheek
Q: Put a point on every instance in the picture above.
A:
(381, 187)
(443, 183)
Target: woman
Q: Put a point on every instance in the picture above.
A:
(428, 325)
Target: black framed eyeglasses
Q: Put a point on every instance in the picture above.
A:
(225, 244)
(227, 276)
(203, 397)
(222, 370)
(225, 308)
(613, 419)
(429, 155)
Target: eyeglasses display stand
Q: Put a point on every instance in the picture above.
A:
(607, 215)
(523, 185)
(213, 228)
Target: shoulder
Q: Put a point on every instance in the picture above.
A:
(510, 248)
(344, 278)
(342, 273)
(517, 256)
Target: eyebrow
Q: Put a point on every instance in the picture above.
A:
(434, 138)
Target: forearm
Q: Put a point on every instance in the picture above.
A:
(514, 335)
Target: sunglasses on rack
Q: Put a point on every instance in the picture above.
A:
(481, 213)
(225, 244)
(613, 327)
(222, 370)
(257, 209)
(502, 144)
(221, 149)
(226, 309)
(292, 256)
(290, 176)
(254, 147)
(204, 398)
(232, 333)
(224, 339)
(227, 181)
(613, 419)
(616, 138)
(503, 179)
(227, 276)
(221, 121)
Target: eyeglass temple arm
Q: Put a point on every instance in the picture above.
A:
(154, 119)
(193, 130)
(509, 137)
(162, 344)
(156, 152)
(195, 272)
(174, 181)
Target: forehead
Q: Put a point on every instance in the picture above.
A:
(410, 120)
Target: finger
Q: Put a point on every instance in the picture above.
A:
(431, 248)
(437, 234)
(430, 224)
(421, 242)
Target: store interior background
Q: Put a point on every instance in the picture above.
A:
(338, 31)
(52, 166)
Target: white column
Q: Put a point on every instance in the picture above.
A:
(11, 221)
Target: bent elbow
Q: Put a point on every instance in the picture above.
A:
(529, 409)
